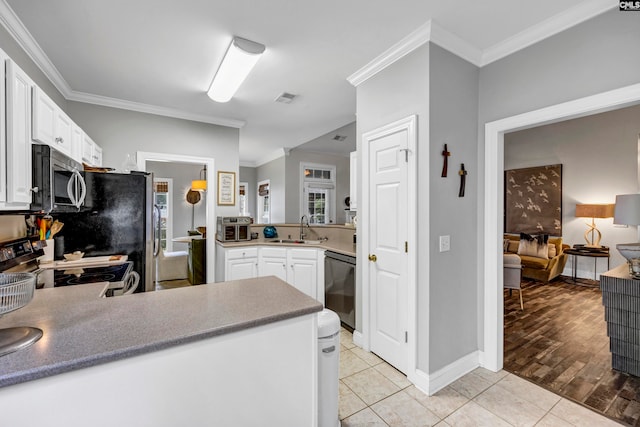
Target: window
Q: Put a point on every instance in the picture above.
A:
(264, 203)
(318, 193)
(243, 203)
(162, 196)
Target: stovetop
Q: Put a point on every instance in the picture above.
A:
(79, 276)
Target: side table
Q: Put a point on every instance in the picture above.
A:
(590, 254)
(621, 300)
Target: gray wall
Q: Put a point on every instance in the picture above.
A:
(292, 202)
(182, 175)
(122, 132)
(599, 157)
(275, 171)
(397, 92)
(453, 109)
(596, 56)
(248, 175)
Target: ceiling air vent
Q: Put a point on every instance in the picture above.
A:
(339, 138)
(285, 98)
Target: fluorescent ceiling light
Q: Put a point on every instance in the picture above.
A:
(236, 65)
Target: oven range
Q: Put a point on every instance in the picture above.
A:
(21, 256)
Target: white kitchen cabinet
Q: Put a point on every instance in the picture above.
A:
(91, 152)
(353, 180)
(273, 262)
(51, 125)
(241, 263)
(16, 185)
(302, 268)
(77, 138)
(97, 155)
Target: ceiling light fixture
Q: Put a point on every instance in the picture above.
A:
(236, 65)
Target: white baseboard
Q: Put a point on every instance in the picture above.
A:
(357, 338)
(445, 376)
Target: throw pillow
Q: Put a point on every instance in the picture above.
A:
(552, 250)
(535, 246)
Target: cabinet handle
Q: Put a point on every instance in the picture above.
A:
(59, 140)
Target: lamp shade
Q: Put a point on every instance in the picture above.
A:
(199, 185)
(236, 65)
(594, 211)
(627, 211)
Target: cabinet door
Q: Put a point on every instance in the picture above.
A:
(87, 149)
(303, 270)
(63, 128)
(18, 160)
(273, 267)
(237, 269)
(97, 155)
(76, 142)
(44, 116)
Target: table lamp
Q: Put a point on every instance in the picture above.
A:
(627, 212)
(593, 212)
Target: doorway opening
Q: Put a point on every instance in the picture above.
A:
(144, 157)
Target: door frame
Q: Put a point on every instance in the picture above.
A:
(142, 157)
(493, 354)
(409, 124)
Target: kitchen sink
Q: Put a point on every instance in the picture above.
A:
(301, 242)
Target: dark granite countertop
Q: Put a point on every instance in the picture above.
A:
(82, 330)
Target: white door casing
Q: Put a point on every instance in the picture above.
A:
(492, 356)
(389, 282)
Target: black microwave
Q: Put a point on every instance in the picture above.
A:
(58, 183)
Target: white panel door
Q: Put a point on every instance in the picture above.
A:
(387, 251)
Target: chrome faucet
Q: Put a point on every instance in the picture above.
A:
(302, 235)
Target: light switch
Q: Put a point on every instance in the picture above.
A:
(445, 243)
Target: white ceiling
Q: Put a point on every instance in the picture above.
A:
(160, 55)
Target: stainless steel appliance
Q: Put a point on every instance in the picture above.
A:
(233, 228)
(58, 184)
(340, 286)
(117, 219)
(20, 256)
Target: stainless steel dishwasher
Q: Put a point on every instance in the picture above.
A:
(340, 286)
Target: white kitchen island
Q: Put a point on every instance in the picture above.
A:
(240, 353)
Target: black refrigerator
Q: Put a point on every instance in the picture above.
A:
(117, 218)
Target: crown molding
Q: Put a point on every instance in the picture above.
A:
(274, 155)
(152, 109)
(245, 164)
(432, 32)
(583, 11)
(25, 40)
(10, 21)
(391, 55)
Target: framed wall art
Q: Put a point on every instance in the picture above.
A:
(226, 188)
(533, 200)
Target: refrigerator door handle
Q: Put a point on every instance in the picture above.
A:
(156, 232)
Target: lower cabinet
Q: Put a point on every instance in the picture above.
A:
(302, 268)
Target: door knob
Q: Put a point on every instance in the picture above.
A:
(373, 258)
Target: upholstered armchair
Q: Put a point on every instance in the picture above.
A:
(512, 274)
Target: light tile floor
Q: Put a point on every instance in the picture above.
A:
(372, 393)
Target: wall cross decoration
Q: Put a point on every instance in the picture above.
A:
(463, 180)
(445, 154)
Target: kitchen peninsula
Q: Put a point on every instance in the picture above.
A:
(200, 355)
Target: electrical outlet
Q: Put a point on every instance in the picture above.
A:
(445, 243)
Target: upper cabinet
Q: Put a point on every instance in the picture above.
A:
(16, 193)
(91, 152)
(51, 125)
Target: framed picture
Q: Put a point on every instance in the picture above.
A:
(533, 200)
(226, 188)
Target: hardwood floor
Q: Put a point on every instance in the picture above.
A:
(560, 342)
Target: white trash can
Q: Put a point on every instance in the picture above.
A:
(328, 366)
